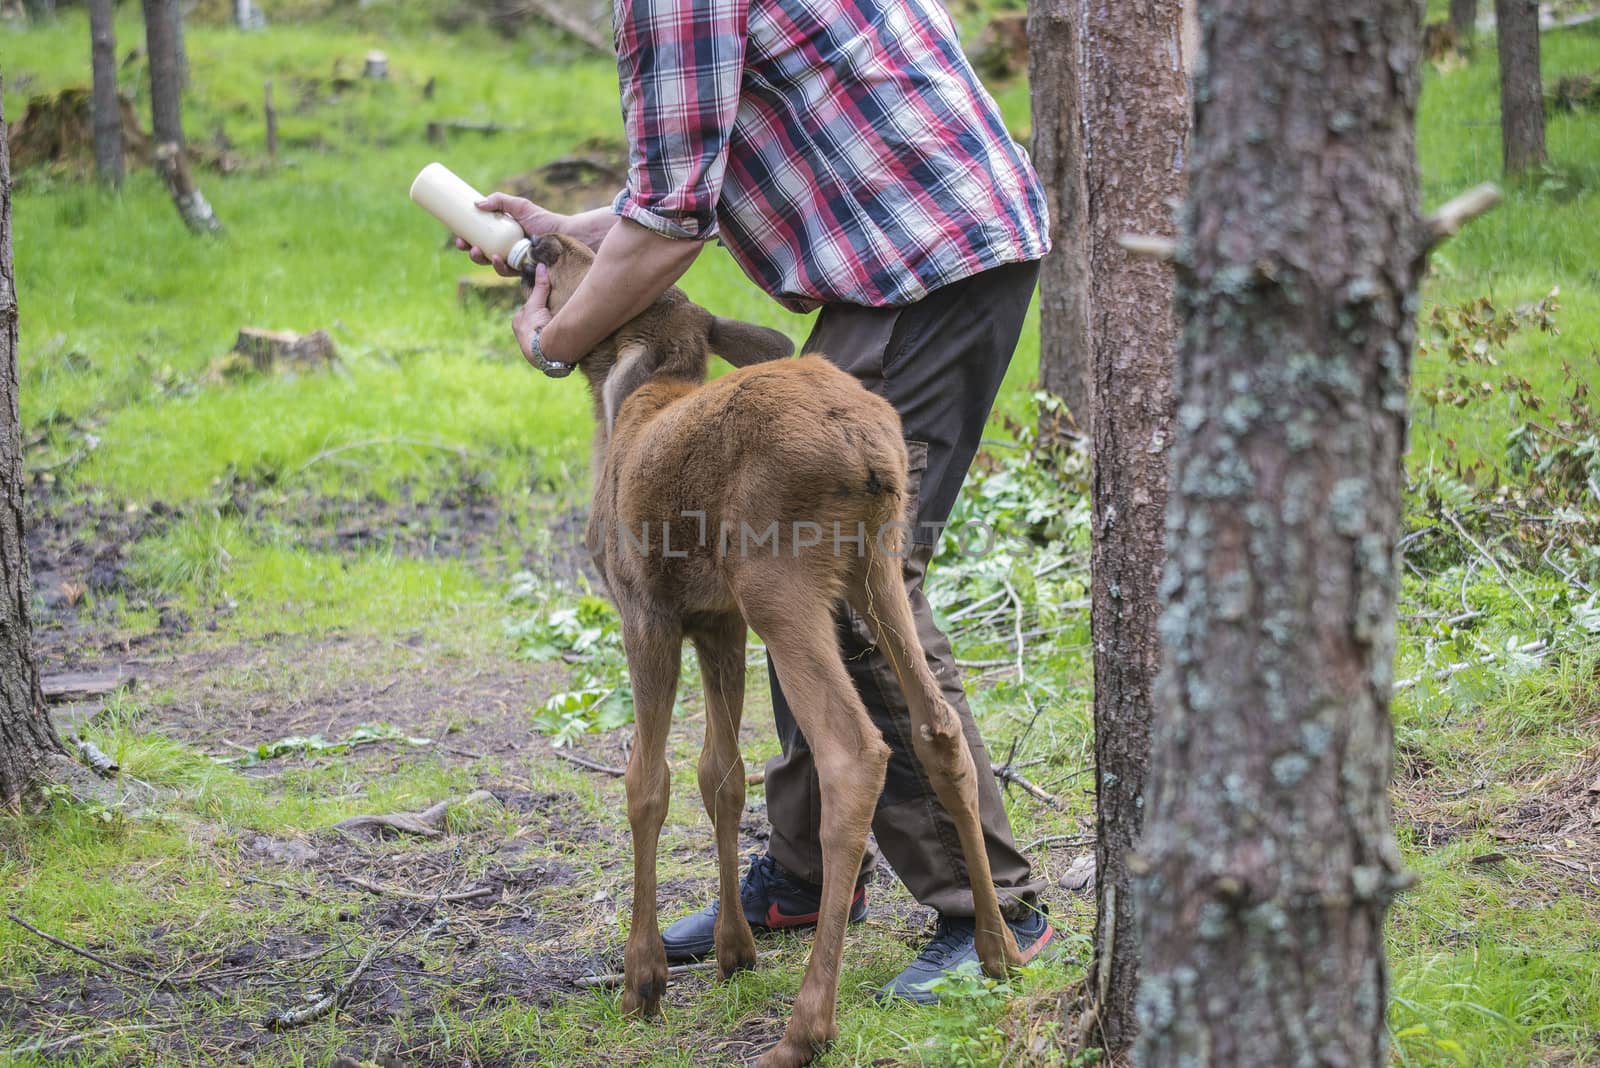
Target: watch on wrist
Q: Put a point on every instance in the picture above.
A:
(550, 367)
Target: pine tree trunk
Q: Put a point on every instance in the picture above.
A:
(1136, 117)
(1268, 864)
(27, 740)
(1521, 91)
(166, 79)
(107, 110)
(1058, 155)
(1464, 17)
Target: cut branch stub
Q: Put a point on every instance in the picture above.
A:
(1456, 212)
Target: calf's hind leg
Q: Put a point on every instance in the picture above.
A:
(653, 646)
(850, 759)
(720, 647)
(879, 596)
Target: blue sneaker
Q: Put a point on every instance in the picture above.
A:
(954, 943)
(772, 900)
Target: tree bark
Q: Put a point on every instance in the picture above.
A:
(1464, 17)
(1064, 277)
(1268, 864)
(193, 208)
(1136, 121)
(1521, 90)
(166, 78)
(27, 739)
(107, 109)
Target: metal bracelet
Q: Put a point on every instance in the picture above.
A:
(551, 368)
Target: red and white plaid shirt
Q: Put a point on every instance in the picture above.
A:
(843, 150)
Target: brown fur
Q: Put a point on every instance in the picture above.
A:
(800, 449)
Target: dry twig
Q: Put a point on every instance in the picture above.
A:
(677, 971)
(282, 1021)
(171, 982)
(592, 765)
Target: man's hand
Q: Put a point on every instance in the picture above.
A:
(534, 220)
(535, 314)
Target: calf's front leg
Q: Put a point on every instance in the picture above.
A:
(653, 647)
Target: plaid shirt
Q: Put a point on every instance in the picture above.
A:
(843, 150)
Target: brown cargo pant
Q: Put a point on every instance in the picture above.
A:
(940, 362)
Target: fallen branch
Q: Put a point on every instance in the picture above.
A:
(677, 971)
(429, 823)
(282, 1021)
(592, 765)
(83, 686)
(1057, 839)
(1533, 648)
(379, 890)
(301, 890)
(55, 1045)
(1006, 774)
(1494, 563)
(169, 982)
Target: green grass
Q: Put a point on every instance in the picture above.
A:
(124, 314)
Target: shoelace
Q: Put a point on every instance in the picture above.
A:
(946, 937)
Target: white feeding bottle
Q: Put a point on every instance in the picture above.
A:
(453, 202)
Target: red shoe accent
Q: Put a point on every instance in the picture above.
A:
(780, 919)
(1043, 940)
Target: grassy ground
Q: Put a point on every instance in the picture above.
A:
(311, 572)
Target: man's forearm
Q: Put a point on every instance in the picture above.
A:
(590, 227)
(632, 267)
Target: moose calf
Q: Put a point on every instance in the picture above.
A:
(760, 499)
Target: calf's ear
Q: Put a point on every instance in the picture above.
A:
(743, 344)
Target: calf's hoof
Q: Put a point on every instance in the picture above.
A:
(791, 1053)
(643, 996)
(735, 959)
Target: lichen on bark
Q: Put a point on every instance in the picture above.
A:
(1268, 861)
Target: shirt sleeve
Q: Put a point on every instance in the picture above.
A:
(680, 63)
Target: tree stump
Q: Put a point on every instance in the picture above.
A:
(377, 65)
(58, 129)
(489, 292)
(269, 348)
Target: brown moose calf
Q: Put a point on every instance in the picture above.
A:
(760, 499)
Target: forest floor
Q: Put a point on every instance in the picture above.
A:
(357, 590)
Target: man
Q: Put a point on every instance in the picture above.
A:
(847, 156)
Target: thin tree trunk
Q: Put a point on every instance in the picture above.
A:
(1521, 91)
(193, 208)
(1058, 154)
(27, 739)
(180, 45)
(166, 80)
(1268, 864)
(1136, 118)
(270, 115)
(107, 110)
(1464, 17)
